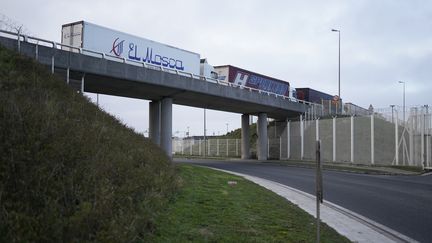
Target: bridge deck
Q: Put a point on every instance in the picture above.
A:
(113, 77)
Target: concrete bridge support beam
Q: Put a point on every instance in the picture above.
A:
(262, 136)
(245, 141)
(166, 125)
(154, 121)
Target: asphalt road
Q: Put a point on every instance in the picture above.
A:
(402, 203)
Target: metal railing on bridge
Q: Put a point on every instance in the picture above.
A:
(52, 44)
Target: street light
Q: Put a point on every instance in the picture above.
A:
(227, 127)
(402, 82)
(335, 30)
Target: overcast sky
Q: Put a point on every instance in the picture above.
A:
(382, 42)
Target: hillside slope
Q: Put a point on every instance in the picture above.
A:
(69, 171)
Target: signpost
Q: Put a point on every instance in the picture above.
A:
(319, 187)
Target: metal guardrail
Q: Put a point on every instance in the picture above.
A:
(55, 45)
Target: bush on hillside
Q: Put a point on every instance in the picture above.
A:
(68, 171)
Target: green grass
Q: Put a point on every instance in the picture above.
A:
(374, 169)
(207, 209)
(69, 171)
(416, 169)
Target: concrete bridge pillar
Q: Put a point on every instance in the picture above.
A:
(262, 136)
(166, 125)
(245, 141)
(154, 121)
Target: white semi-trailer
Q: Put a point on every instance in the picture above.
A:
(93, 37)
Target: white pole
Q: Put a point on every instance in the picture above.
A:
(317, 129)
(428, 147)
(422, 142)
(199, 147)
(334, 139)
(288, 139)
(227, 150)
(82, 84)
(411, 138)
(236, 147)
(52, 64)
(397, 139)
(217, 147)
(352, 139)
(268, 147)
(182, 146)
(67, 75)
(301, 138)
(280, 147)
(372, 140)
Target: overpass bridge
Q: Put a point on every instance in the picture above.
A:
(105, 74)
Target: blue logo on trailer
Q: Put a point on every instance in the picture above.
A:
(150, 57)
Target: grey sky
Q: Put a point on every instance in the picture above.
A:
(381, 42)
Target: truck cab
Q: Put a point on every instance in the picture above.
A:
(207, 70)
(293, 94)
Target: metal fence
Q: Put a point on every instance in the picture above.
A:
(381, 138)
(208, 147)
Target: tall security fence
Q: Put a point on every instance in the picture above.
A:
(379, 138)
(375, 137)
(209, 147)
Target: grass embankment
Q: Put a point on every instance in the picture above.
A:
(207, 208)
(68, 171)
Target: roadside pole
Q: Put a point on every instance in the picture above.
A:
(319, 187)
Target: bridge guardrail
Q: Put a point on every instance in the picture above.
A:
(55, 45)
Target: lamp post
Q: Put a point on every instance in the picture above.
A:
(205, 130)
(335, 30)
(227, 127)
(402, 82)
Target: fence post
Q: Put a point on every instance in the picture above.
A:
(334, 139)
(37, 51)
(268, 147)
(422, 143)
(199, 147)
(428, 147)
(227, 144)
(317, 129)
(52, 64)
(318, 188)
(397, 140)
(372, 140)
(301, 138)
(217, 147)
(352, 139)
(67, 75)
(237, 147)
(82, 84)
(411, 137)
(208, 145)
(288, 139)
(280, 147)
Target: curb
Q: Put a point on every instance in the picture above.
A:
(355, 227)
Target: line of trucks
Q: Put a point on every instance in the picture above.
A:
(83, 34)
